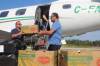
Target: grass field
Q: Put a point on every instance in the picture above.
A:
(78, 46)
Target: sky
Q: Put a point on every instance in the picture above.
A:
(7, 4)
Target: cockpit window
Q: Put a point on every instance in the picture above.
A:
(95, 0)
(66, 6)
(4, 13)
(20, 12)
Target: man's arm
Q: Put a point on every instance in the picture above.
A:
(47, 32)
(45, 18)
(15, 35)
(54, 28)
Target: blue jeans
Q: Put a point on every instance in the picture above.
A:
(54, 47)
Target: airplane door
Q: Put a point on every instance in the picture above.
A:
(43, 10)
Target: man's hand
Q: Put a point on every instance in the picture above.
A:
(45, 32)
(41, 33)
(45, 18)
(20, 33)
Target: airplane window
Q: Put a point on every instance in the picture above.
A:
(21, 12)
(96, 0)
(66, 6)
(4, 13)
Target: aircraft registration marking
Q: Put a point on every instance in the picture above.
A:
(89, 9)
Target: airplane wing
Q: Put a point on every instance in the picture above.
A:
(4, 35)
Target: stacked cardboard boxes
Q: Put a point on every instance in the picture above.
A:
(29, 29)
(37, 58)
(80, 57)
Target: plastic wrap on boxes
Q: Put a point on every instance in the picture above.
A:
(37, 58)
(82, 57)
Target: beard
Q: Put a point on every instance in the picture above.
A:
(52, 20)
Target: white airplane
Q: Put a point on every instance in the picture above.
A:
(76, 16)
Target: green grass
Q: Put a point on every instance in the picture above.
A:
(76, 46)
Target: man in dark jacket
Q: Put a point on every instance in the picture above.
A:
(16, 35)
(16, 32)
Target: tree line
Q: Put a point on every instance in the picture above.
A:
(83, 43)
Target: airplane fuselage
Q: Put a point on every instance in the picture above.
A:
(76, 17)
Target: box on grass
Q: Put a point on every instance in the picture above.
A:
(84, 57)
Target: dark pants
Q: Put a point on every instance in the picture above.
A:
(54, 47)
(20, 45)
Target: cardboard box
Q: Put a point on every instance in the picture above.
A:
(80, 58)
(29, 29)
(37, 58)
